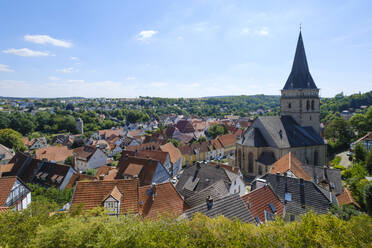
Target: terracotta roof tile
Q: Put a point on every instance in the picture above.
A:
(91, 193)
(6, 184)
(258, 201)
(133, 169)
(55, 153)
(85, 152)
(346, 198)
(289, 162)
(3, 209)
(174, 152)
(166, 201)
(155, 155)
(227, 139)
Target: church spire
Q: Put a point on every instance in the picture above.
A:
(300, 77)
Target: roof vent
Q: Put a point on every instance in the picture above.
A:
(209, 202)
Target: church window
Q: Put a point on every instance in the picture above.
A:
(307, 105)
(316, 158)
(310, 117)
(312, 105)
(289, 105)
(250, 162)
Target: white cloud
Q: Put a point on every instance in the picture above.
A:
(131, 78)
(75, 81)
(5, 68)
(25, 52)
(67, 70)
(53, 78)
(46, 39)
(264, 31)
(146, 34)
(74, 58)
(245, 31)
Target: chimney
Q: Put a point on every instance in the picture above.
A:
(209, 202)
(153, 191)
(302, 192)
(101, 177)
(277, 176)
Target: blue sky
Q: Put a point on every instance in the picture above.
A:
(180, 48)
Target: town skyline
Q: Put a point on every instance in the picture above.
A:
(126, 50)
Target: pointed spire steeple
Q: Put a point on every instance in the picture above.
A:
(300, 77)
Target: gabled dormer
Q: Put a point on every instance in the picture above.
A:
(111, 202)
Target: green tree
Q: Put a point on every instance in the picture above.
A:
(369, 162)
(367, 194)
(216, 130)
(70, 161)
(360, 153)
(338, 132)
(12, 139)
(359, 124)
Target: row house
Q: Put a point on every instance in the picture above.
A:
(89, 157)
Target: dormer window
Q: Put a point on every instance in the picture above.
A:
(111, 202)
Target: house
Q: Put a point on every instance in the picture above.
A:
(160, 199)
(64, 140)
(216, 190)
(44, 173)
(6, 154)
(89, 157)
(366, 141)
(228, 142)
(148, 170)
(14, 193)
(197, 177)
(35, 143)
(188, 156)
(116, 196)
(104, 134)
(56, 154)
(174, 154)
(185, 126)
(299, 196)
(264, 204)
(291, 166)
(230, 206)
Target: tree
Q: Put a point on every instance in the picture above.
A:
(12, 139)
(359, 124)
(360, 153)
(338, 132)
(369, 162)
(367, 195)
(70, 161)
(216, 130)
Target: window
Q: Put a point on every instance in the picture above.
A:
(292, 217)
(316, 158)
(273, 209)
(289, 105)
(307, 105)
(250, 162)
(312, 105)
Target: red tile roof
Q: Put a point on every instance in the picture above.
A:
(133, 169)
(290, 162)
(85, 152)
(258, 200)
(174, 152)
(166, 201)
(155, 155)
(227, 139)
(56, 153)
(6, 184)
(91, 194)
(3, 209)
(346, 198)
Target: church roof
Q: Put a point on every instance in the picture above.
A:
(281, 132)
(253, 137)
(300, 77)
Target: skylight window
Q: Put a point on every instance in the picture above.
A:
(288, 197)
(272, 208)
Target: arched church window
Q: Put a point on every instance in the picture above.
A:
(312, 105)
(316, 158)
(250, 162)
(307, 105)
(289, 105)
(310, 117)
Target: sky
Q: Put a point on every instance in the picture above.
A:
(179, 48)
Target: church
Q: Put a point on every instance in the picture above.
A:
(296, 130)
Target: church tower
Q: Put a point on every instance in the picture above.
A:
(300, 96)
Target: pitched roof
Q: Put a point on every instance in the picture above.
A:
(166, 201)
(300, 77)
(85, 152)
(186, 150)
(104, 170)
(230, 206)
(194, 179)
(5, 153)
(3, 209)
(174, 152)
(284, 132)
(55, 153)
(253, 137)
(227, 139)
(185, 126)
(155, 155)
(302, 200)
(258, 202)
(78, 177)
(147, 146)
(289, 162)
(346, 198)
(324, 175)
(133, 169)
(91, 194)
(217, 190)
(6, 184)
(108, 132)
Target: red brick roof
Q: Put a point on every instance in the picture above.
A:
(174, 152)
(133, 169)
(147, 146)
(85, 152)
(147, 172)
(346, 198)
(185, 126)
(227, 139)
(258, 200)
(155, 155)
(78, 177)
(290, 162)
(6, 184)
(56, 153)
(166, 201)
(3, 209)
(108, 132)
(91, 194)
